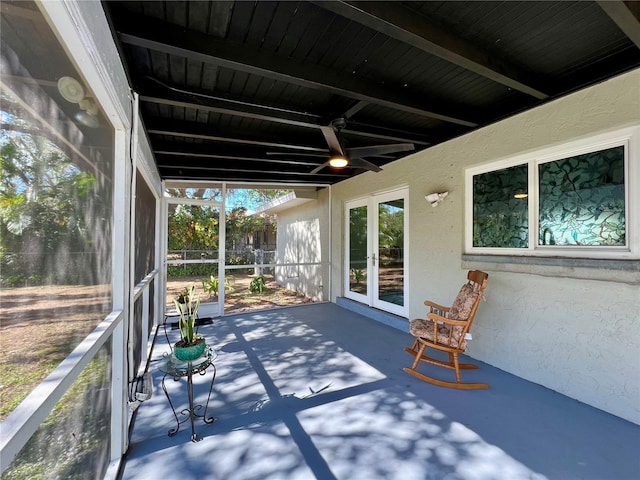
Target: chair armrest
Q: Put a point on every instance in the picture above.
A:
(435, 306)
(439, 318)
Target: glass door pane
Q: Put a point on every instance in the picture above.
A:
(375, 267)
(389, 265)
(358, 247)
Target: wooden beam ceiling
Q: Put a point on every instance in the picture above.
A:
(231, 90)
(174, 97)
(404, 25)
(185, 132)
(153, 34)
(232, 154)
(626, 16)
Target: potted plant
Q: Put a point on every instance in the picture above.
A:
(191, 345)
(183, 297)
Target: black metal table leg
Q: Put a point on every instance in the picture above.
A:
(194, 437)
(187, 369)
(206, 405)
(172, 431)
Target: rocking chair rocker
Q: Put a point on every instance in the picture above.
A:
(446, 329)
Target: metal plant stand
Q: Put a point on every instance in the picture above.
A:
(177, 369)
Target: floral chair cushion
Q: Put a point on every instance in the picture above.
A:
(463, 304)
(424, 328)
(460, 310)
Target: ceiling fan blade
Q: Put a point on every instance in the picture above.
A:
(362, 163)
(319, 167)
(332, 140)
(374, 150)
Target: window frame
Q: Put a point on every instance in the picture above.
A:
(106, 78)
(628, 137)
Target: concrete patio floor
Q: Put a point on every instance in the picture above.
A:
(318, 391)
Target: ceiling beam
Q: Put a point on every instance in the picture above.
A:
(231, 158)
(255, 115)
(405, 25)
(276, 180)
(626, 16)
(245, 141)
(246, 170)
(290, 118)
(388, 134)
(152, 34)
(164, 94)
(233, 154)
(212, 133)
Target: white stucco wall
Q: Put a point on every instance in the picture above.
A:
(303, 237)
(580, 337)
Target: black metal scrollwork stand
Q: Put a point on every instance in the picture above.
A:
(177, 369)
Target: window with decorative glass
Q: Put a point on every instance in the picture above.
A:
(570, 201)
(500, 213)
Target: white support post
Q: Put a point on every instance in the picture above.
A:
(158, 284)
(163, 243)
(121, 292)
(132, 239)
(222, 248)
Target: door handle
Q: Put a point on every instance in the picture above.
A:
(373, 260)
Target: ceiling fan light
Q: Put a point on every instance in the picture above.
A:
(338, 162)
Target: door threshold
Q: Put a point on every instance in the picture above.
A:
(390, 319)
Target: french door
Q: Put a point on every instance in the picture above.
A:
(376, 244)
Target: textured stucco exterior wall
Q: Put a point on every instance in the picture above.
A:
(303, 237)
(580, 337)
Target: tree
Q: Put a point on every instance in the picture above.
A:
(391, 231)
(193, 227)
(45, 200)
(260, 196)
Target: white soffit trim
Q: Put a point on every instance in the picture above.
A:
(290, 200)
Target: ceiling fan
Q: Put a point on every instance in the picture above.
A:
(340, 157)
(354, 157)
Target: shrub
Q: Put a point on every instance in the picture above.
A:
(211, 286)
(258, 285)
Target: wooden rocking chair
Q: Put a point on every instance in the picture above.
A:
(446, 329)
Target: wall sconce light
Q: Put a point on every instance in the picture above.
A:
(435, 198)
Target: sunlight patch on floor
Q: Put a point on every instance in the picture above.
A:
(382, 434)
